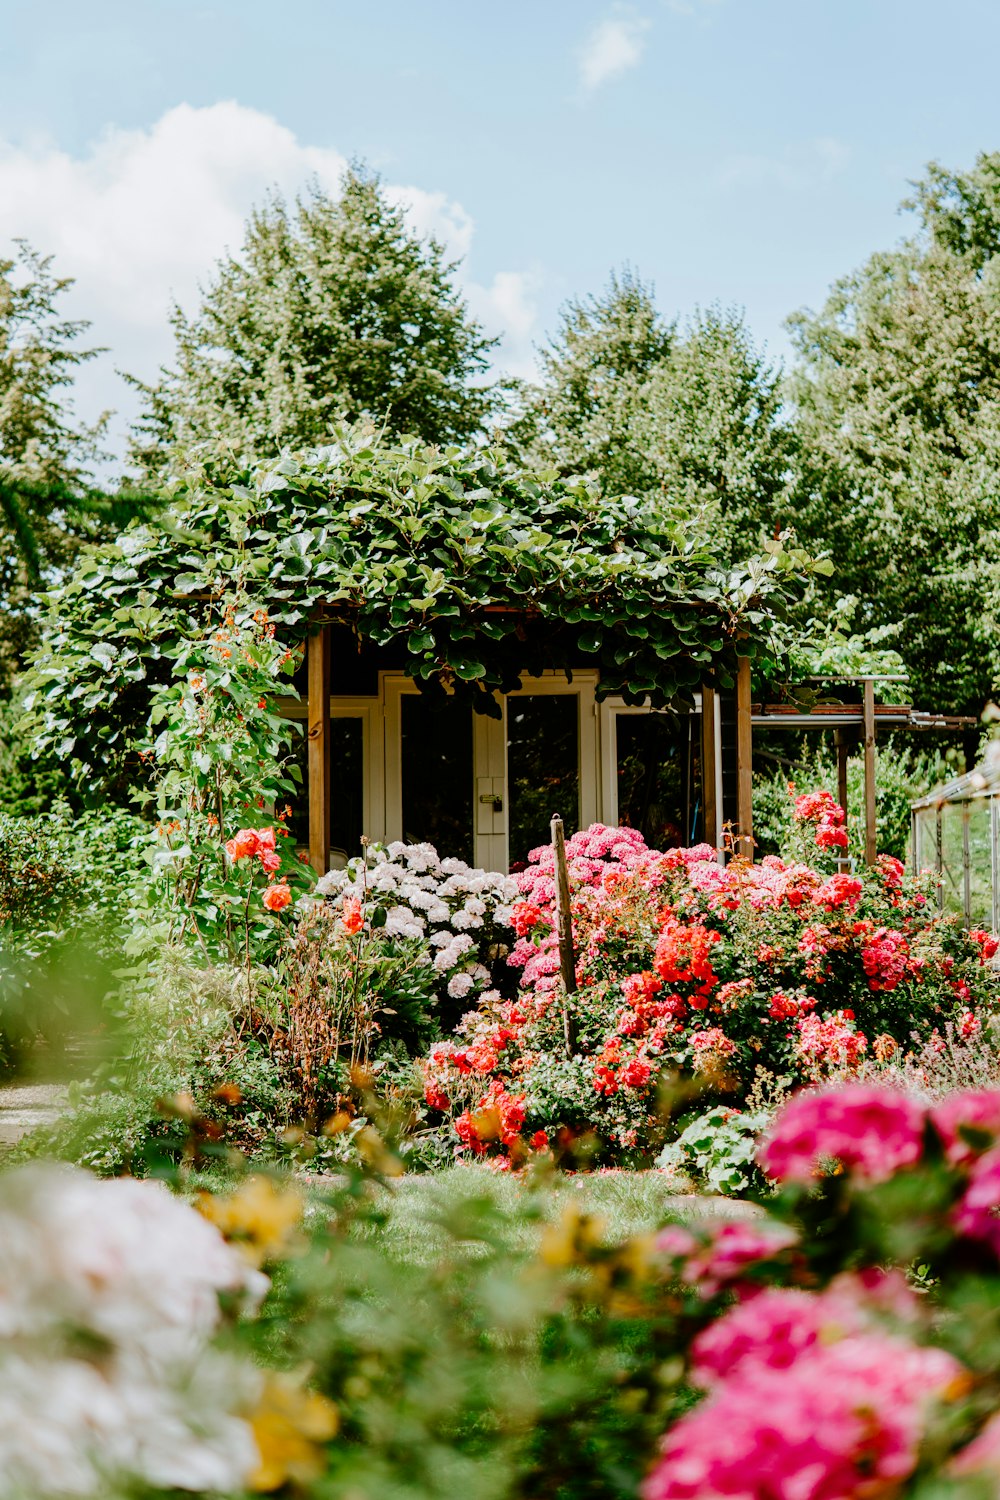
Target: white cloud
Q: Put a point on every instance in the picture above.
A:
(612, 47)
(794, 168)
(140, 220)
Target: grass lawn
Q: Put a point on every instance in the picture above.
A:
(478, 1206)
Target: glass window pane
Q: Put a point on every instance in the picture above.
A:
(437, 774)
(347, 748)
(543, 768)
(653, 780)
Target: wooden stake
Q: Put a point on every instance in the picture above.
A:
(564, 925)
(869, 716)
(709, 800)
(744, 761)
(319, 749)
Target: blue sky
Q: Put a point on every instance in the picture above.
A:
(746, 151)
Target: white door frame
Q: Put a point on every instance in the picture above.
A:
(369, 711)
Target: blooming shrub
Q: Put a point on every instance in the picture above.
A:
(460, 916)
(685, 966)
(110, 1296)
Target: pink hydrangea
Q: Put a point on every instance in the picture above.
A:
(976, 1213)
(873, 1132)
(977, 1110)
(844, 1421)
(827, 1045)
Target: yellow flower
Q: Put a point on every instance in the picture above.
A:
(289, 1425)
(260, 1217)
(572, 1240)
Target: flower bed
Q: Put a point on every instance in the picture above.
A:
(730, 974)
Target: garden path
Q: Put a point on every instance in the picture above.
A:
(25, 1106)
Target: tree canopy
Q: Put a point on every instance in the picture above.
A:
(332, 310)
(46, 455)
(896, 397)
(691, 414)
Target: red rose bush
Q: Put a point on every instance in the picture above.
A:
(688, 967)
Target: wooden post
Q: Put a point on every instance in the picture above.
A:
(319, 749)
(966, 865)
(840, 740)
(744, 762)
(939, 857)
(564, 925)
(869, 716)
(709, 799)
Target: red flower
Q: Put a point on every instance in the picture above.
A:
(270, 861)
(243, 844)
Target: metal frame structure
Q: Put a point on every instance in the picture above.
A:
(976, 788)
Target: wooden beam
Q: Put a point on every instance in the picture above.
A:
(709, 798)
(869, 717)
(319, 749)
(840, 739)
(744, 762)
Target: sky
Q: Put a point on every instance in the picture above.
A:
(746, 152)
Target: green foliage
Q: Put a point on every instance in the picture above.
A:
(582, 416)
(44, 454)
(712, 429)
(177, 1062)
(218, 753)
(896, 396)
(717, 1149)
(484, 572)
(66, 887)
(331, 311)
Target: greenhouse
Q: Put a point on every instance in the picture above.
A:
(955, 831)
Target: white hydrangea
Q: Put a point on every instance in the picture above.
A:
(126, 1268)
(429, 900)
(459, 985)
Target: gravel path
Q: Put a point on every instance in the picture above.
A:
(23, 1106)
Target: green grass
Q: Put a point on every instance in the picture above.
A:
(425, 1211)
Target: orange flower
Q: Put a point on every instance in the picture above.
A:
(277, 897)
(265, 838)
(351, 916)
(270, 860)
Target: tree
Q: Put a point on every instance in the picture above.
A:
(332, 310)
(45, 455)
(710, 428)
(581, 416)
(691, 414)
(897, 397)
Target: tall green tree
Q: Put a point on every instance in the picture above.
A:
(897, 399)
(581, 416)
(710, 427)
(692, 414)
(46, 454)
(333, 309)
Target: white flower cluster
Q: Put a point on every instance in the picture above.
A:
(442, 902)
(109, 1296)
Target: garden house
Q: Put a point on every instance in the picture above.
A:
(479, 647)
